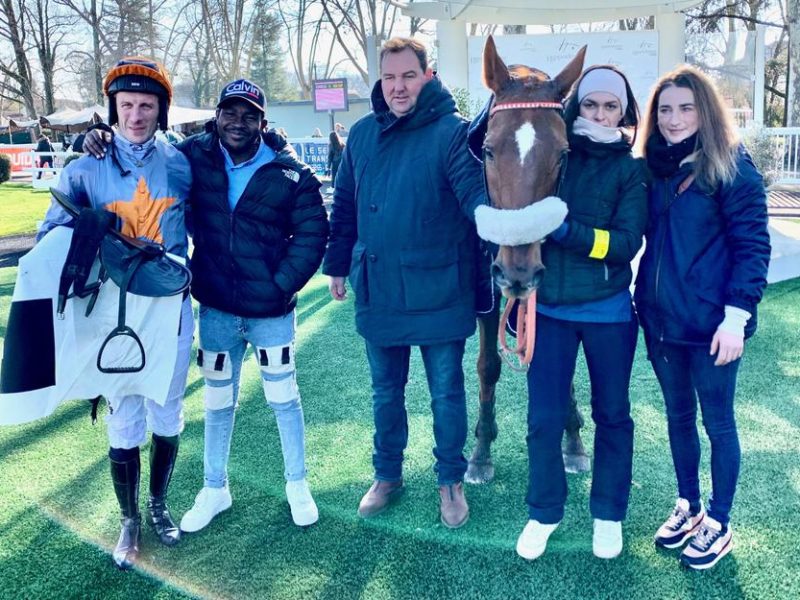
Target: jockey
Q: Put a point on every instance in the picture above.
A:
(145, 183)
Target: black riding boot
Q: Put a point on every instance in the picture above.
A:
(125, 475)
(163, 451)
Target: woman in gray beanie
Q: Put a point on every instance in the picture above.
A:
(585, 300)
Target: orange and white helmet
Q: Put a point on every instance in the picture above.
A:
(138, 74)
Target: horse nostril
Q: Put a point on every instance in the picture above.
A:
(496, 271)
(537, 278)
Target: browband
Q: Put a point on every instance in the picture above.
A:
(519, 105)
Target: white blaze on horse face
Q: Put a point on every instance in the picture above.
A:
(526, 138)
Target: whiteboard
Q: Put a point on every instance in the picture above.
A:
(635, 52)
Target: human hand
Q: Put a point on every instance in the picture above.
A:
(727, 346)
(96, 142)
(337, 288)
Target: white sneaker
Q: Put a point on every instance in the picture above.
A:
(304, 509)
(607, 540)
(207, 505)
(533, 539)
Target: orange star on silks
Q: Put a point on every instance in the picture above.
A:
(141, 215)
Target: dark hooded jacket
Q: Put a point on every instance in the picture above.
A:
(705, 249)
(402, 222)
(253, 260)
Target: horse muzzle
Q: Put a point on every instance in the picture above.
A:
(517, 281)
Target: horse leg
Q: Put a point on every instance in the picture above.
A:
(480, 468)
(576, 460)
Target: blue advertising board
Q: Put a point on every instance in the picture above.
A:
(313, 152)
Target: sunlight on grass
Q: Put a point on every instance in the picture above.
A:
(767, 430)
(21, 208)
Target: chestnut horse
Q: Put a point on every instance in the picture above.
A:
(523, 153)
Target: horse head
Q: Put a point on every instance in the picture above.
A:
(524, 150)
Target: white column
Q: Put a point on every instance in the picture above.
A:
(451, 40)
(373, 69)
(671, 41)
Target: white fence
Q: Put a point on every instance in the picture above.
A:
(47, 177)
(786, 141)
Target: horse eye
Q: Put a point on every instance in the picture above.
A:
(488, 153)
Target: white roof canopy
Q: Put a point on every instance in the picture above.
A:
(541, 12)
(77, 120)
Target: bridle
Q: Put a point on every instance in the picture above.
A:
(526, 312)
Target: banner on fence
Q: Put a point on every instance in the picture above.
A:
(313, 153)
(21, 159)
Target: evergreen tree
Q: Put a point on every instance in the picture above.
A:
(267, 67)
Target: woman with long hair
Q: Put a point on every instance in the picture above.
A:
(700, 280)
(584, 299)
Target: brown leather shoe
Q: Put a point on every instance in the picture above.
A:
(379, 497)
(454, 509)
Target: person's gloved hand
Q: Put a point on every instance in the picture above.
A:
(728, 341)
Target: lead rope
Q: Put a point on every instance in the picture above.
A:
(519, 357)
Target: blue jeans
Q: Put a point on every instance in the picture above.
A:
(389, 369)
(609, 350)
(223, 341)
(686, 374)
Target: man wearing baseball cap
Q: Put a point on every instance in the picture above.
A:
(260, 231)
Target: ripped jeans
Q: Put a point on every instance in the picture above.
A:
(223, 342)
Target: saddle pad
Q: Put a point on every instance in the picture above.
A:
(47, 361)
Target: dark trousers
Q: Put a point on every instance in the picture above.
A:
(609, 350)
(686, 374)
(389, 369)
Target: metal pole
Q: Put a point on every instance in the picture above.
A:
(758, 82)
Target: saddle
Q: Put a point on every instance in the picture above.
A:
(137, 266)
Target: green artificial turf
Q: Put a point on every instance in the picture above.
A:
(21, 208)
(58, 517)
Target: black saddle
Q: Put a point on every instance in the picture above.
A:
(136, 266)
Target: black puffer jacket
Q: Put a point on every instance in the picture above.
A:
(253, 260)
(605, 189)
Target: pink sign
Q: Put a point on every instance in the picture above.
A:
(330, 95)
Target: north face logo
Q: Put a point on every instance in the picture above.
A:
(293, 175)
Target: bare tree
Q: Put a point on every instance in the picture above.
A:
(48, 27)
(18, 80)
(359, 20)
(119, 28)
(793, 23)
(303, 33)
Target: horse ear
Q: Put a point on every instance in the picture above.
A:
(495, 71)
(570, 73)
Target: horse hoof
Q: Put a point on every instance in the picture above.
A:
(577, 463)
(479, 473)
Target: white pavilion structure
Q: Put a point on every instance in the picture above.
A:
(452, 16)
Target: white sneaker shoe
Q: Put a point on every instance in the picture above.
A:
(207, 505)
(304, 509)
(607, 540)
(533, 539)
